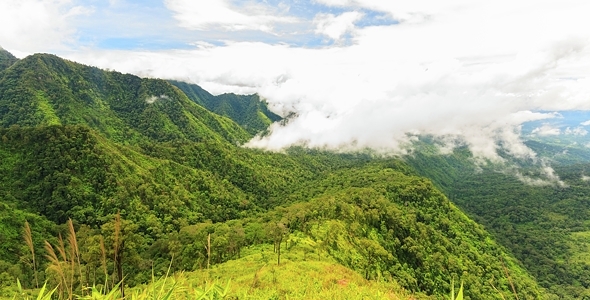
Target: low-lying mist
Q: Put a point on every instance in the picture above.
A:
(468, 74)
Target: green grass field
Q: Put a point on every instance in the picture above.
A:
(256, 275)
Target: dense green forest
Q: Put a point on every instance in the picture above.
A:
(108, 178)
(6, 59)
(247, 110)
(545, 226)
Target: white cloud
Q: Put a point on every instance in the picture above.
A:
(546, 130)
(335, 2)
(585, 123)
(336, 26)
(202, 15)
(152, 99)
(37, 25)
(580, 131)
(468, 71)
(546, 177)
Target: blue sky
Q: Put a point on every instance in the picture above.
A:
(151, 25)
(127, 25)
(359, 73)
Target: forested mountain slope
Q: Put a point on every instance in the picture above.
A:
(6, 59)
(43, 89)
(247, 110)
(149, 176)
(545, 227)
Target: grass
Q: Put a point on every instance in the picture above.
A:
(257, 276)
(28, 236)
(43, 294)
(459, 293)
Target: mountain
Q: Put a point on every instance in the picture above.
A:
(6, 59)
(247, 110)
(544, 225)
(44, 89)
(153, 181)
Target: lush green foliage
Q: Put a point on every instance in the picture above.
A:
(150, 177)
(6, 59)
(253, 277)
(256, 276)
(545, 227)
(247, 110)
(46, 90)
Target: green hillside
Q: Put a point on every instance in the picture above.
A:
(545, 227)
(43, 89)
(247, 110)
(255, 275)
(6, 59)
(152, 182)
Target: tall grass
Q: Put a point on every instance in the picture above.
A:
(64, 262)
(55, 265)
(118, 245)
(28, 237)
(74, 253)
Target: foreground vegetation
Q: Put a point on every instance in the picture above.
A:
(257, 276)
(372, 216)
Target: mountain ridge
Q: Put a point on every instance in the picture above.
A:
(105, 148)
(114, 103)
(6, 59)
(249, 111)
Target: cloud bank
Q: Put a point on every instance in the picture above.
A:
(466, 72)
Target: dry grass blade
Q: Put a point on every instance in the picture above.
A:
(62, 248)
(493, 286)
(118, 247)
(51, 256)
(166, 278)
(73, 240)
(117, 233)
(74, 251)
(56, 266)
(28, 236)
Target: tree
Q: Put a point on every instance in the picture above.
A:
(277, 231)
